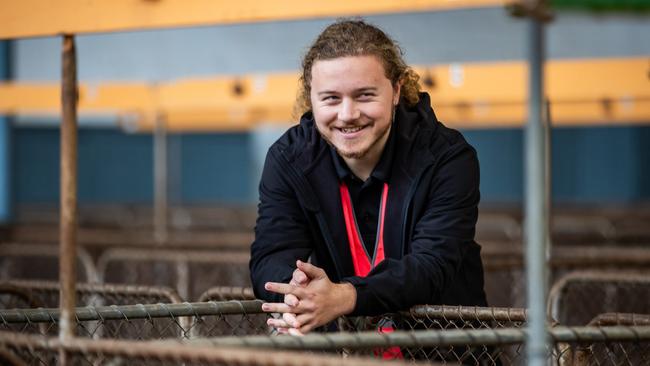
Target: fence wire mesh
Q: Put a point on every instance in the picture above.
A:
(146, 321)
(244, 318)
(46, 294)
(190, 272)
(448, 334)
(20, 260)
(617, 345)
(503, 264)
(572, 297)
(36, 350)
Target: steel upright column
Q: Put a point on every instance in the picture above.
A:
(5, 143)
(536, 200)
(160, 179)
(68, 219)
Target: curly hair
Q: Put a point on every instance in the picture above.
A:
(355, 37)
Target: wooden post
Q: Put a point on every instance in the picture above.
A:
(68, 216)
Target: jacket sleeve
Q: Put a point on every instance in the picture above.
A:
(281, 232)
(441, 236)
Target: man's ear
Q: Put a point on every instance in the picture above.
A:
(397, 89)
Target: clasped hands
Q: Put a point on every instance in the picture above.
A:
(310, 300)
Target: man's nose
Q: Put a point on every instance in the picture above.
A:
(349, 111)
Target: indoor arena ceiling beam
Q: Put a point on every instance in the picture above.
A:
(37, 18)
(581, 92)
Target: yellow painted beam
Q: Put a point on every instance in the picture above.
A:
(45, 98)
(474, 95)
(32, 18)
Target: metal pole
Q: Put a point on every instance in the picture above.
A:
(160, 180)
(536, 218)
(68, 220)
(548, 179)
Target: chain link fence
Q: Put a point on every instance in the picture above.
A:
(46, 294)
(21, 260)
(448, 334)
(21, 350)
(190, 272)
(616, 345)
(194, 321)
(146, 321)
(504, 265)
(579, 296)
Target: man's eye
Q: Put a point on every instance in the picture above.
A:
(329, 98)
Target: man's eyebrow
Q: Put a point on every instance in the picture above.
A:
(358, 90)
(367, 88)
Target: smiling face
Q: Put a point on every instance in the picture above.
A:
(352, 103)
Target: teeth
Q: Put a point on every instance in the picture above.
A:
(351, 130)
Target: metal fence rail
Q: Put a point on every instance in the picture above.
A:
(617, 345)
(190, 272)
(471, 335)
(225, 293)
(46, 294)
(146, 321)
(504, 265)
(19, 261)
(34, 350)
(241, 318)
(572, 297)
(206, 319)
(606, 319)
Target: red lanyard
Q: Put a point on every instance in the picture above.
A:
(363, 264)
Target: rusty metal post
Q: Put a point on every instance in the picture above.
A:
(68, 217)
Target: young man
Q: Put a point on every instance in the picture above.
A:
(378, 195)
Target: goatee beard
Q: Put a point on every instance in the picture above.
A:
(358, 154)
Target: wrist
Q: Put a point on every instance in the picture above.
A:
(347, 297)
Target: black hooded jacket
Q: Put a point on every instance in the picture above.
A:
(431, 213)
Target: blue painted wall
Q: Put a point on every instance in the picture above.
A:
(115, 167)
(500, 155)
(589, 165)
(216, 168)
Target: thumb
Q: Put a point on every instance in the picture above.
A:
(310, 270)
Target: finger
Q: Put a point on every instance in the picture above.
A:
(308, 326)
(295, 332)
(277, 307)
(277, 323)
(304, 329)
(310, 270)
(299, 277)
(283, 330)
(303, 320)
(283, 288)
(291, 300)
(290, 320)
